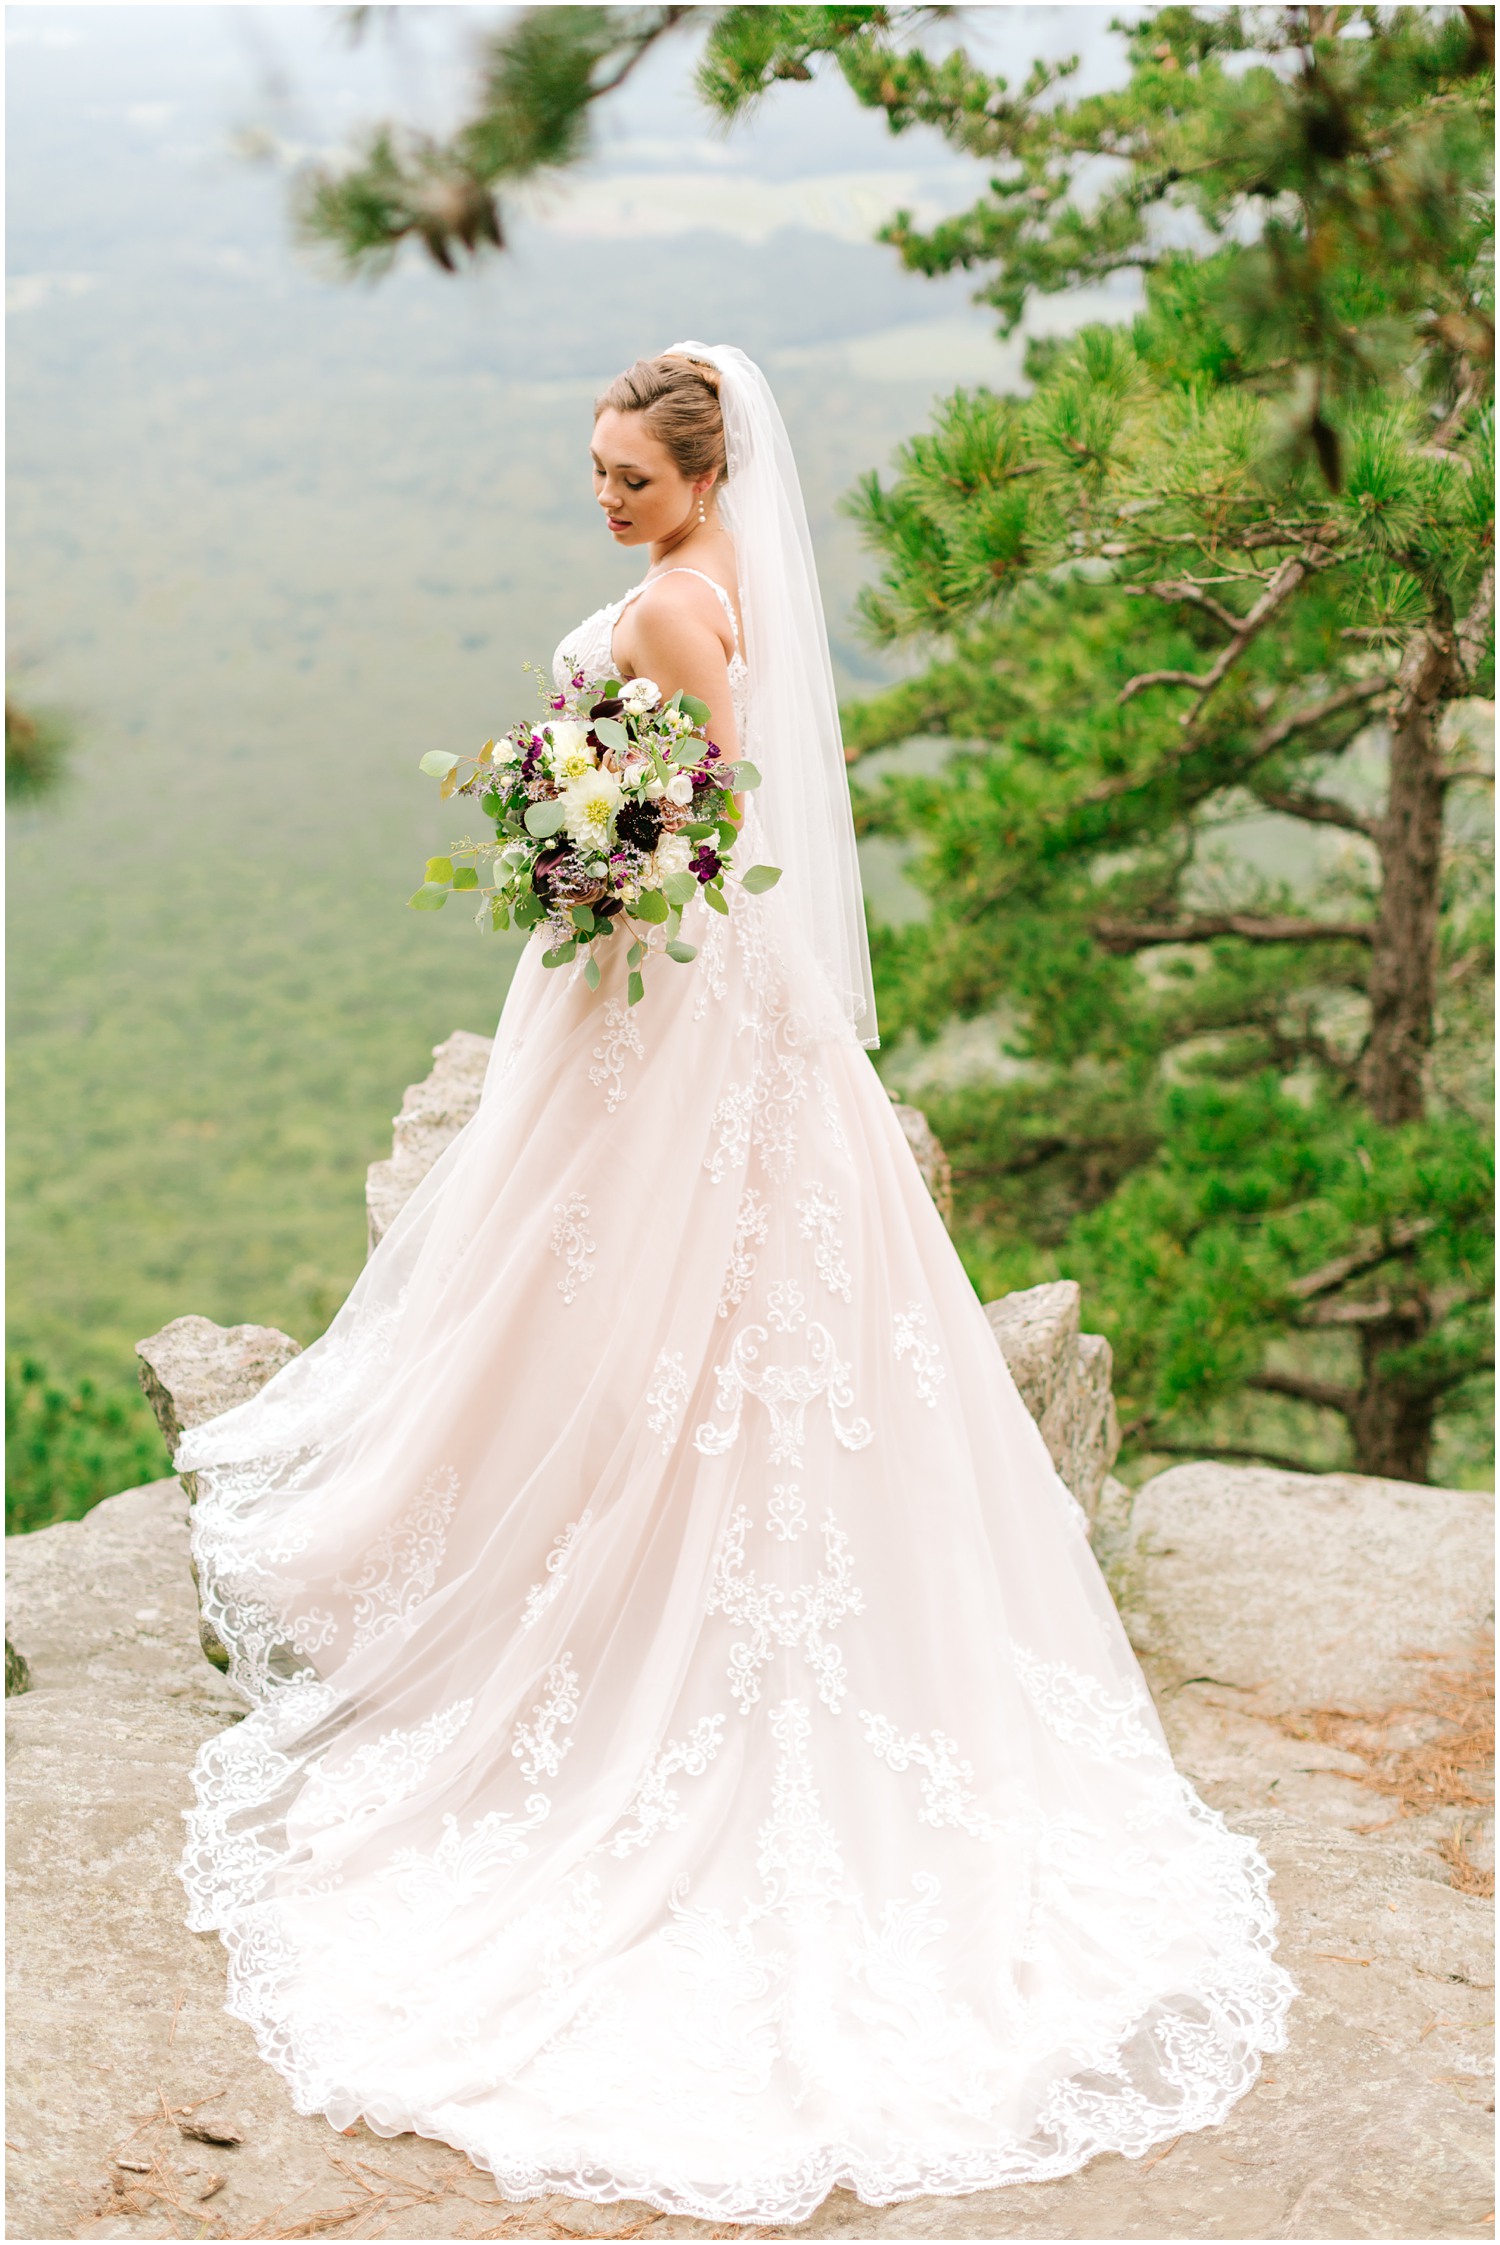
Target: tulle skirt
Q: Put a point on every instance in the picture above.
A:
(694, 1756)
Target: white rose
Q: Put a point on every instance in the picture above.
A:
(673, 854)
(640, 694)
(654, 789)
(589, 804)
(680, 788)
(638, 775)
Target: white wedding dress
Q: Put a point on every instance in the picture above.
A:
(694, 1756)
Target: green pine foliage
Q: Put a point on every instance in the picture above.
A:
(69, 1443)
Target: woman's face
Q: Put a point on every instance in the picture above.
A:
(644, 494)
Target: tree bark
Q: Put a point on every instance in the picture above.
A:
(1391, 1424)
(1409, 836)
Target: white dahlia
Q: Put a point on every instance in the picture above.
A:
(589, 804)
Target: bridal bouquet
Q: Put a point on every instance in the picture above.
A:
(613, 811)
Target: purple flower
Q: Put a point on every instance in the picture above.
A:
(706, 863)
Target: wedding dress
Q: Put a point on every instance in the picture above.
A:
(694, 1756)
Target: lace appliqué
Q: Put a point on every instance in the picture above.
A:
(1083, 1712)
(818, 1216)
(571, 1238)
(461, 1866)
(786, 1516)
(542, 1594)
(381, 1772)
(709, 966)
(750, 1229)
(946, 1798)
(926, 1358)
(401, 1565)
(655, 1807)
(537, 1745)
(786, 1391)
(666, 1399)
(621, 1042)
(795, 1621)
(798, 1853)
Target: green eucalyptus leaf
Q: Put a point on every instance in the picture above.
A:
(440, 871)
(437, 763)
(560, 954)
(680, 888)
(429, 898)
(650, 905)
(635, 954)
(465, 877)
(682, 952)
(591, 972)
(545, 818)
(745, 776)
(692, 707)
(635, 990)
(582, 918)
(729, 833)
(713, 896)
(611, 732)
(760, 878)
(499, 916)
(699, 830)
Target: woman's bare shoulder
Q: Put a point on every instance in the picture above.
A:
(678, 599)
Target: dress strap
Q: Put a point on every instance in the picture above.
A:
(683, 569)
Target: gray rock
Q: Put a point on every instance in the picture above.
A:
(194, 1370)
(1063, 1376)
(17, 1674)
(1299, 1630)
(923, 1140)
(433, 1113)
(1373, 2124)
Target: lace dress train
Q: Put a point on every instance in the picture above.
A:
(693, 1755)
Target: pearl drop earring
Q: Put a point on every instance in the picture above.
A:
(702, 517)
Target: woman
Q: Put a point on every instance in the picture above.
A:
(694, 1755)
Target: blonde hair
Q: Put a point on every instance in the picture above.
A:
(679, 398)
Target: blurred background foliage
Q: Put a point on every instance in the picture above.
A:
(1170, 721)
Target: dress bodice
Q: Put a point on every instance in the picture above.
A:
(589, 648)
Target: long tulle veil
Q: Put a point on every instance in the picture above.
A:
(793, 732)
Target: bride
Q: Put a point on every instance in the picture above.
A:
(693, 1755)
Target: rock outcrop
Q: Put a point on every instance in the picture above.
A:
(193, 1370)
(1374, 2123)
(433, 1113)
(1063, 1376)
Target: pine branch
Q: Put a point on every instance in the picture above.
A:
(1265, 744)
(1186, 589)
(1240, 1452)
(1400, 1240)
(1306, 803)
(1123, 937)
(1282, 584)
(1320, 1392)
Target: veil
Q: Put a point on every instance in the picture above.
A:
(793, 735)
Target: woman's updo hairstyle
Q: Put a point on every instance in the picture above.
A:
(679, 398)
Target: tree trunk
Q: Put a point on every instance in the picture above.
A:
(1392, 1425)
(1403, 963)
